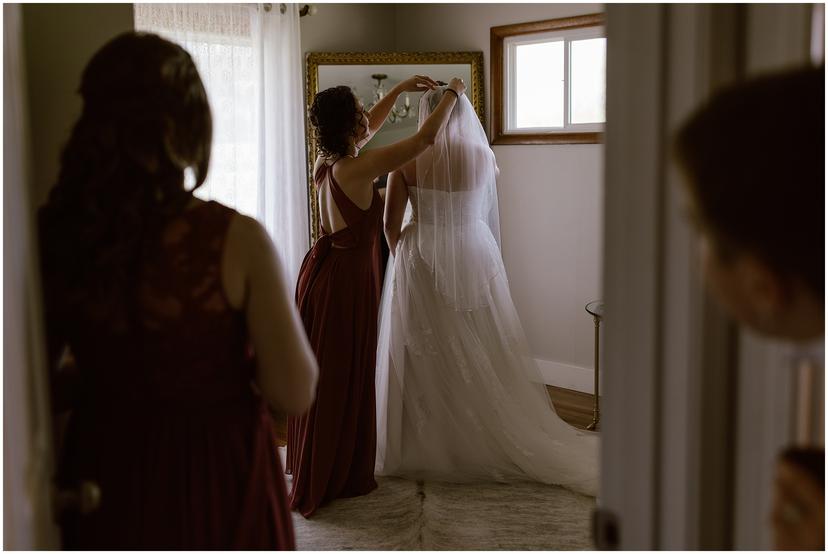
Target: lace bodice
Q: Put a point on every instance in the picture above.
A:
(189, 346)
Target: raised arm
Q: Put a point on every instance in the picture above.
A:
(396, 199)
(386, 159)
(286, 369)
(379, 113)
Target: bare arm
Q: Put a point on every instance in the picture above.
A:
(286, 369)
(395, 207)
(384, 160)
(379, 113)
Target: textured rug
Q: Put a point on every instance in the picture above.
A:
(416, 515)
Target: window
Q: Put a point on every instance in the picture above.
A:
(249, 57)
(220, 39)
(549, 81)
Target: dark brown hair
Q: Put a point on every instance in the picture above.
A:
(754, 156)
(333, 117)
(145, 120)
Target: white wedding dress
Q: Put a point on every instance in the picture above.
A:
(459, 397)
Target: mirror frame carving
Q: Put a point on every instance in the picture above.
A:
(474, 91)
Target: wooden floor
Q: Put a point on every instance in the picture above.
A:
(572, 406)
(280, 425)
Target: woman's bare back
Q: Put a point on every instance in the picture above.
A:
(358, 190)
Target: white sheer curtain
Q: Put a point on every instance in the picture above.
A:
(249, 58)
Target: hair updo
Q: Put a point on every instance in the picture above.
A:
(333, 117)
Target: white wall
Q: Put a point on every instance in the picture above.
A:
(349, 28)
(59, 41)
(550, 196)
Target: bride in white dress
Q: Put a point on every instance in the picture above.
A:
(459, 397)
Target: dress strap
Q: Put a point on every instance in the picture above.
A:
(351, 213)
(318, 179)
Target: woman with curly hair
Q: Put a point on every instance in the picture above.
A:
(332, 448)
(161, 298)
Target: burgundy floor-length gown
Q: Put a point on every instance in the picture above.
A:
(332, 448)
(167, 423)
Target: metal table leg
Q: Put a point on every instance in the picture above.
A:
(596, 412)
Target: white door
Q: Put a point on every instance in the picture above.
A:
(27, 441)
(673, 439)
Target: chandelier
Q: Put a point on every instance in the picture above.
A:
(396, 114)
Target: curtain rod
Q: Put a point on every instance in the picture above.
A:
(307, 9)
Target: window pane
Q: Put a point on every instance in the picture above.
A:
(539, 85)
(233, 178)
(588, 86)
(221, 42)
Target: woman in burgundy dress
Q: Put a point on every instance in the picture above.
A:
(332, 448)
(162, 299)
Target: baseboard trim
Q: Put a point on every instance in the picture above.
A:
(566, 376)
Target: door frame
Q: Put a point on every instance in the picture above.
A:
(28, 461)
(677, 442)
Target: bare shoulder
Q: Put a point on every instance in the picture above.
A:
(246, 235)
(352, 177)
(249, 254)
(358, 169)
(346, 165)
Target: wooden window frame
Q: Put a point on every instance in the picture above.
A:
(497, 37)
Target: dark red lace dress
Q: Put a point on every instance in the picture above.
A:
(167, 424)
(331, 449)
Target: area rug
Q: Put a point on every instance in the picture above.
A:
(417, 515)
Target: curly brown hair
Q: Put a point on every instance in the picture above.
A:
(333, 117)
(145, 121)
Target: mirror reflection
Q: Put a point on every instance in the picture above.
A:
(370, 83)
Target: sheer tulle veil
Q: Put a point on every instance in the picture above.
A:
(457, 203)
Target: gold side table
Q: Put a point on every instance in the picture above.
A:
(596, 310)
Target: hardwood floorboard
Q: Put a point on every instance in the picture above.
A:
(280, 427)
(574, 407)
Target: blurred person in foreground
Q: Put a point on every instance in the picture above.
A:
(161, 299)
(753, 159)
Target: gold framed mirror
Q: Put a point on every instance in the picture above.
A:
(368, 73)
